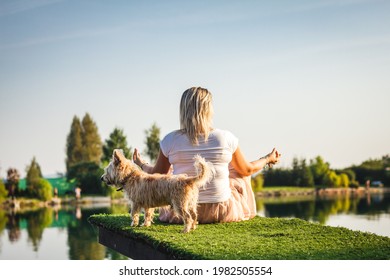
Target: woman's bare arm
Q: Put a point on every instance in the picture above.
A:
(246, 168)
(162, 164)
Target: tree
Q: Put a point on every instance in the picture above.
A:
(34, 175)
(331, 179)
(344, 180)
(84, 153)
(152, 141)
(92, 143)
(278, 177)
(373, 164)
(74, 145)
(3, 192)
(295, 176)
(318, 169)
(44, 190)
(37, 186)
(34, 172)
(257, 183)
(87, 176)
(307, 179)
(351, 175)
(301, 174)
(13, 178)
(116, 140)
(83, 142)
(373, 169)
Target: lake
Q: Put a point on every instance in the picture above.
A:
(64, 233)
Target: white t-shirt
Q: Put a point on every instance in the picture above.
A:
(218, 149)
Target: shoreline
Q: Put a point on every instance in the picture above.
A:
(271, 192)
(283, 192)
(26, 203)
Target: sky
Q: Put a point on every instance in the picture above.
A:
(307, 77)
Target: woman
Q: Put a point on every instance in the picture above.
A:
(229, 196)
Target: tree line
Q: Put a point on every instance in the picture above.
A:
(86, 157)
(37, 186)
(87, 154)
(317, 173)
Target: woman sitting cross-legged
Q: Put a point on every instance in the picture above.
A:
(228, 197)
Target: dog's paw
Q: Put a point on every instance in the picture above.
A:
(186, 229)
(146, 224)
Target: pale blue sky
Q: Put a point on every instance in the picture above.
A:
(309, 77)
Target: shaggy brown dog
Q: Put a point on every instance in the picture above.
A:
(148, 191)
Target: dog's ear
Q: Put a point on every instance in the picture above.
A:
(117, 156)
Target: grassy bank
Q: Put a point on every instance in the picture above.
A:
(259, 238)
(287, 188)
(285, 191)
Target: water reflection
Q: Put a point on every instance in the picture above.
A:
(321, 208)
(12, 224)
(81, 240)
(65, 233)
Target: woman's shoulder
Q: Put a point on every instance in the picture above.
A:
(173, 135)
(222, 132)
(227, 137)
(171, 140)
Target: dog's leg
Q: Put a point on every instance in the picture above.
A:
(149, 212)
(186, 216)
(193, 209)
(194, 216)
(135, 209)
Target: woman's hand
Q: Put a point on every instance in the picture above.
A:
(137, 158)
(273, 157)
(162, 164)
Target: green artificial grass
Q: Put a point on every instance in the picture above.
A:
(259, 238)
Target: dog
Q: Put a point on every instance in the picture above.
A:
(149, 191)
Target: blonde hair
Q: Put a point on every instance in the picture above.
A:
(196, 112)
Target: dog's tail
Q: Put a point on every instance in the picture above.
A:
(205, 171)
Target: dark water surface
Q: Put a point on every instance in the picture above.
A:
(367, 212)
(64, 233)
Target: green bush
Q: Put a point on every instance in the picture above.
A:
(354, 184)
(257, 183)
(44, 190)
(344, 180)
(278, 177)
(87, 175)
(114, 194)
(331, 179)
(3, 191)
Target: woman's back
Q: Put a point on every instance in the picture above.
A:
(218, 149)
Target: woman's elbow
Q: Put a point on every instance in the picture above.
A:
(246, 171)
